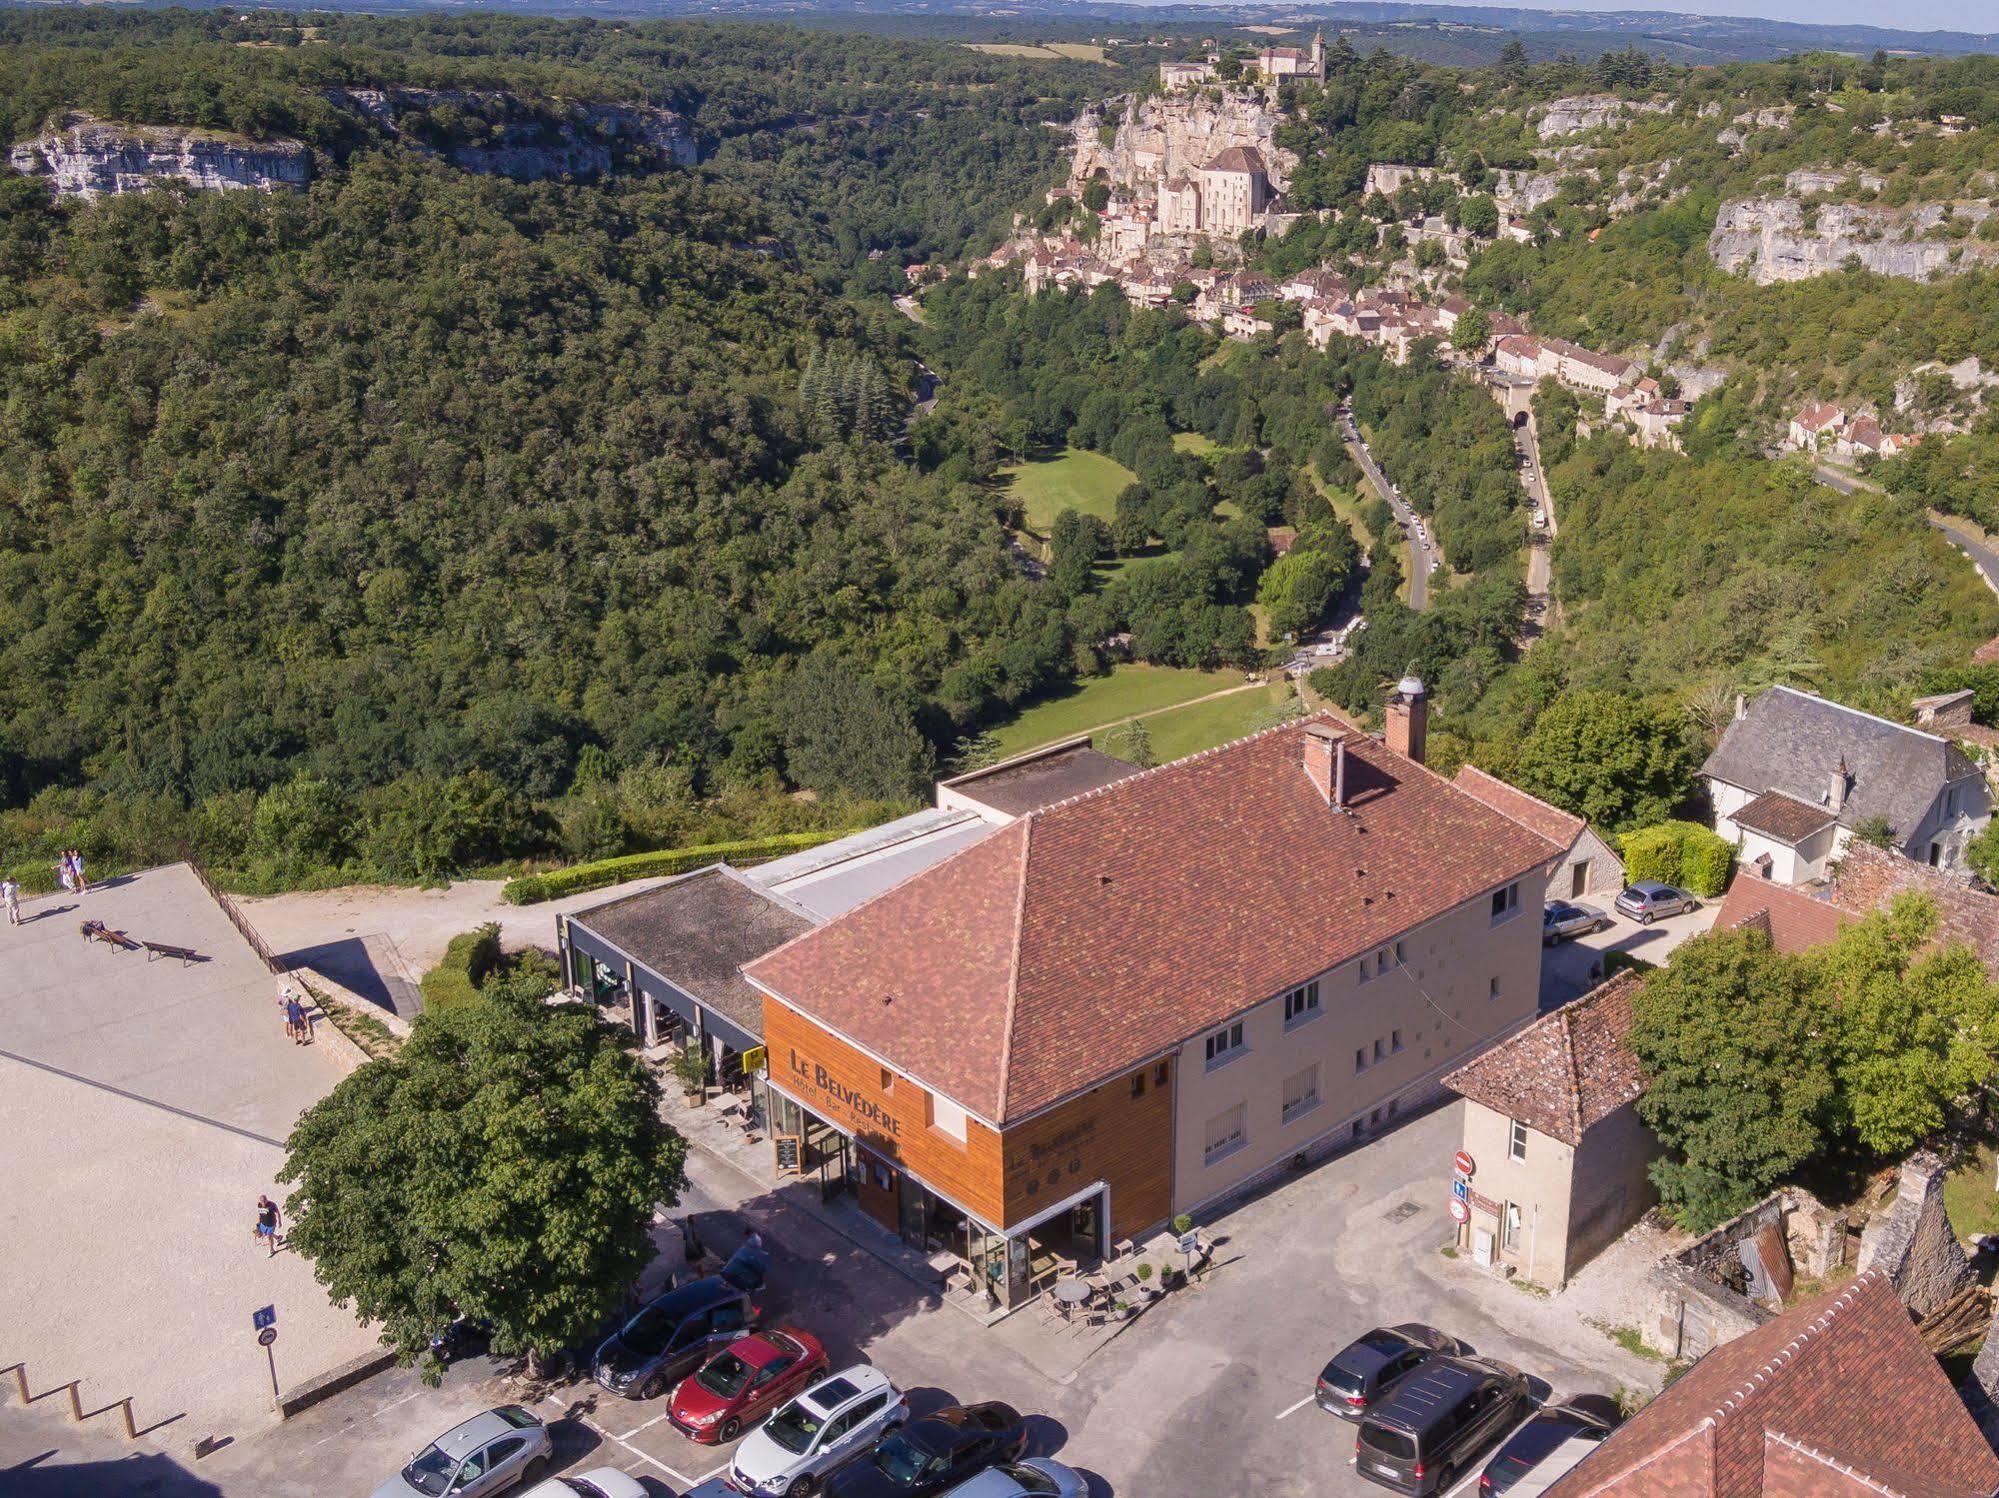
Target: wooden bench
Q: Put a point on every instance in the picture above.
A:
(161, 949)
(98, 931)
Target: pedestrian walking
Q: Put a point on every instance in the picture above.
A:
(76, 868)
(753, 1239)
(10, 896)
(268, 1223)
(65, 874)
(296, 1022)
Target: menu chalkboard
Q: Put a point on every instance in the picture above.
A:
(787, 1154)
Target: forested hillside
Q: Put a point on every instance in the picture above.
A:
(420, 520)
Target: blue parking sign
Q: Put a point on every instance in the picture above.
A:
(1461, 1189)
(268, 1316)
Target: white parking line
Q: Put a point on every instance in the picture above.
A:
(664, 1414)
(1296, 1407)
(680, 1477)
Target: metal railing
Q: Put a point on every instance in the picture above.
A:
(236, 917)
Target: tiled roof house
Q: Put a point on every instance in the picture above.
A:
(1836, 1397)
(1591, 867)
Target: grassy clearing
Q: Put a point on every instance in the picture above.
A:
(1080, 51)
(1076, 480)
(1196, 443)
(1180, 731)
(1156, 552)
(1968, 1195)
(1011, 49)
(1103, 700)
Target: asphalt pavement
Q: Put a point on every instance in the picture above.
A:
(1421, 554)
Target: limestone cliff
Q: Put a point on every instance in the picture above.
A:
(85, 157)
(1161, 138)
(1580, 112)
(523, 139)
(1773, 239)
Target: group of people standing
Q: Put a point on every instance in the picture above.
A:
(69, 873)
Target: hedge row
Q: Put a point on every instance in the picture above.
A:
(468, 958)
(1684, 854)
(531, 889)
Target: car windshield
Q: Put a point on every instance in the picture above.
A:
(431, 1471)
(1032, 1481)
(1388, 1442)
(646, 1333)
(725, 1375)
(900, 1459)
(1343, 1379)
(794, 1426)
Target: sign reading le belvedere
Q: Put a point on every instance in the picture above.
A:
(854, 1102)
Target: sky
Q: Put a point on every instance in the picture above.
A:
(1899, 15)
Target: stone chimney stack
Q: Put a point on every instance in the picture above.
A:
(1835, 797)
(1326, 762)
(1741, 706)
(1409, 718)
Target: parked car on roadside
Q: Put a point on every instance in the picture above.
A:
(1547, 1446)
(672, 1336)
(487, 1454)
(1562, 921)
(1648, 899)
(598, 1482)
(1434, 1422)
(932, 1453)
(745, 1381)
(1367, 1365)
(830, 1423)
(1033, 1478)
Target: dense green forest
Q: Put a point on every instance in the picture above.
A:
(423, 520)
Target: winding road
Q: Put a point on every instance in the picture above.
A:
(1980, 551)
(1540, 568)
(1421, 553)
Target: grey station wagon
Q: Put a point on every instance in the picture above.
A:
(487, 1454)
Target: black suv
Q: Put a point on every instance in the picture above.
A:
(935, 1452)
(1433, 1423)
(673, 1334)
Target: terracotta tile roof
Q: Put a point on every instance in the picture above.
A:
(1567, 1071)
(1869, 877)
(1783, 818)
(1817, 417)
(1793, 920)
(1556, 825)
(1237, 159)
(1844, 1374)
(1095, 933)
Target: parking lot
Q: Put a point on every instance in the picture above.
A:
(1209, 1392)
(1566, 968)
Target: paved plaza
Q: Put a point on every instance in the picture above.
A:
(145, 1104)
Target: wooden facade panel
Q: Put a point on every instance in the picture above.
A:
(1108, 1134)
(844, 1086)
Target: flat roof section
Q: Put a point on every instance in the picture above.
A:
(697, 931)
(1027, 782)
(832, 879)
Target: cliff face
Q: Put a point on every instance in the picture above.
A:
(1769, 238)
(1582, 112)
(528, 141)
(1162, 138)
(84, 157)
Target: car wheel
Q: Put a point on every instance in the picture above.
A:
(731, 1428)
(1445, 1478)
(534, 1471)
(802, 1487)
(1645, 919)
(1603, 925)
(652, 1388)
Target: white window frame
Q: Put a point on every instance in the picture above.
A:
(1293, 1109)
(1516, 1141)
(1214, 1150)
(947, 1118)
(1230, 1036)
(1306, 997)
(1506, 903)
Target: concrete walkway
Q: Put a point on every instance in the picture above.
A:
(145, 1104)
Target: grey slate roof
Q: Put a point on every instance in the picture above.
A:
(1791, 741)
(697, 931)
(1027, 783)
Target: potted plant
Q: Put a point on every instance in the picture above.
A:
(692, 1069)
(1146, 1290)
(1123, 1309)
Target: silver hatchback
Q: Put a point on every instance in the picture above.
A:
(487, 1454)
(1648, 899)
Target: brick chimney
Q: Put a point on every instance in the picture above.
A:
(1326, 762)
(1835, 791)
(1409, 718)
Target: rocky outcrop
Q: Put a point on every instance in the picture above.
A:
(1913, 1242)
(1519, 193)
(1774, 239)
(529, 140)
(1809, 180)
(85, 157)
(1582, 112)
(1161, 138)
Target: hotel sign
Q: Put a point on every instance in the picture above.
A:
(856, 1103)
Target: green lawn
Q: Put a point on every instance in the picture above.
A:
(1077, 480)
(1110, 567)
(1181, 731)
(1101, 700)
(1968, 1195)
(1195, 443)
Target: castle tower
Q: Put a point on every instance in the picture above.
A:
(1319, 54)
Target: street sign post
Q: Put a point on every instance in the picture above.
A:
(1464, 1164)
(1460, 1190)
(1460, 1213)
(268, 1316)
(265, 1321)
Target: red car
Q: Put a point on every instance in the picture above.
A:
(745, 1381)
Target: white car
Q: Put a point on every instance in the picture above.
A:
(598, 1482)
(821, 1429)
(1037, 1477)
